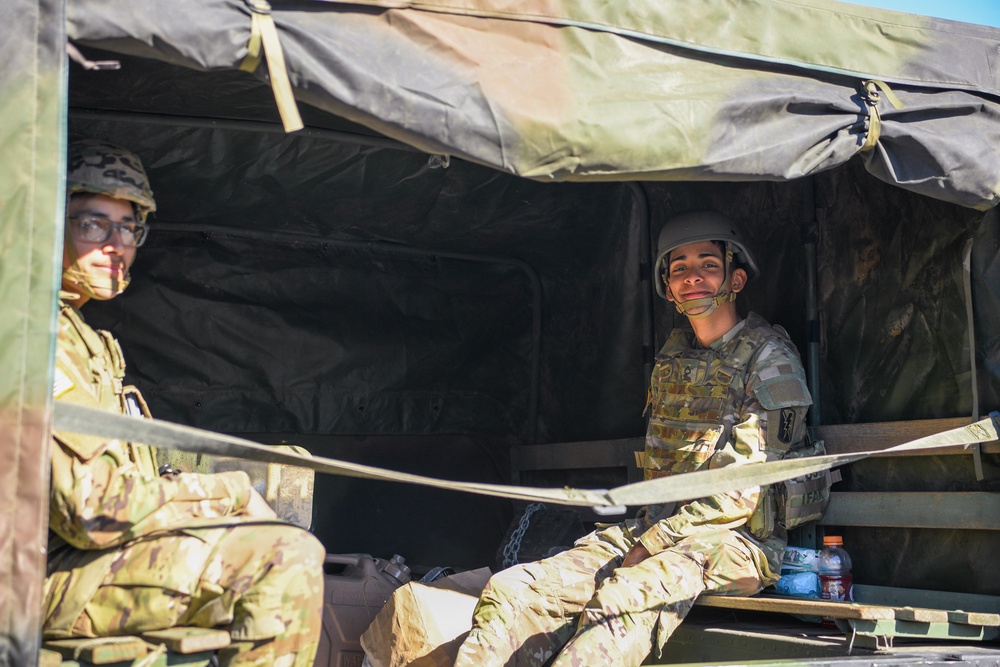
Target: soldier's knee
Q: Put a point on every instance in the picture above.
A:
(312, 549)
(307, 554)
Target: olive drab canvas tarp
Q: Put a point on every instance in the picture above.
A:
(32, 109)
(708, 90)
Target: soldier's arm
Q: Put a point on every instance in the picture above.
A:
(773, 417)
(102, 501)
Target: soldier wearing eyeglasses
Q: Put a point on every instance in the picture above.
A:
(131, 550)
(109, 199)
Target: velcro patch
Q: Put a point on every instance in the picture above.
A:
(782, 392)
(787, 427)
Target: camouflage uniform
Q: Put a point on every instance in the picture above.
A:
(743, 400)
(130, 551)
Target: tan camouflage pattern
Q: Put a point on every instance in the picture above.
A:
(709, 408)
(726, 394)
(130, 551)
(100, 168)
(581, 605)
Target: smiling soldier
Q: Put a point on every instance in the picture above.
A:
(724, 391)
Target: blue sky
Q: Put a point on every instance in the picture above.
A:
(985, 12)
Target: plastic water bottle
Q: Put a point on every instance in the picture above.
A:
(834, 567)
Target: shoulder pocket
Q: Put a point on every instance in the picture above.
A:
(782, 391)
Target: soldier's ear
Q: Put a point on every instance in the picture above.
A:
(738, 280)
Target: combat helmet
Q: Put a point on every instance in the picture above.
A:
(694, 227)
(100, 168)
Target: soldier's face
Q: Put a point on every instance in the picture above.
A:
(698, 270)
(105, 263)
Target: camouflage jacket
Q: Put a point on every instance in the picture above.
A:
(742, 400)
(105, 493)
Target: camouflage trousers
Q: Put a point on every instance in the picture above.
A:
(261, 581)
(580, 607)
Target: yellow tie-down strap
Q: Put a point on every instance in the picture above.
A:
(872, 97)
(689, 486)
(264, 42)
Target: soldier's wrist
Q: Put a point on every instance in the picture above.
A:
(237, 489)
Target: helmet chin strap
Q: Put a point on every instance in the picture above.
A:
(79, 279)
(710, 303)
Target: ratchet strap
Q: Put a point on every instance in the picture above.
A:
(689, 486)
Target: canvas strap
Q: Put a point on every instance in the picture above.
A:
(264, 43)
(874, 89)
(689, 486)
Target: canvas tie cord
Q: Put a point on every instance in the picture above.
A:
(264, 33)
(872, 97)
(689, 486)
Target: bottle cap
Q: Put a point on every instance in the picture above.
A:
(833, 541)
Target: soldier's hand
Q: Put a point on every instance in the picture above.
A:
(636, 555)
(257, 507)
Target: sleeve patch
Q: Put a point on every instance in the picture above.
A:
(786, 430)
(62, 384)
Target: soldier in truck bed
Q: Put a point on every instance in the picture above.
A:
(130, 550)
(726, 391)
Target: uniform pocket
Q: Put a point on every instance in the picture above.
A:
(673, 448)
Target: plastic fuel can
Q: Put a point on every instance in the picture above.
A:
(356, 587)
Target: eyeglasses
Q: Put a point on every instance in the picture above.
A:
(97, 229)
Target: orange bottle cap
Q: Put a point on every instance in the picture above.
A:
(833, 541)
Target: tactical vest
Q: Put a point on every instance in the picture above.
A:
(694, 398)
(90, 370)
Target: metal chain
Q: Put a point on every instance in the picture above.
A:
(513, 546)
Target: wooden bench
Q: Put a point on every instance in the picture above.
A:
(883, 614)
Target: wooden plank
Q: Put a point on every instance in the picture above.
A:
(969, 608)
(951, 509)
(974, 618)
(47, 658)
(189, 640)
(576, 455)
(99, 651)
(839, 438)
(807, 607)
(921, 615)
(851, 438)
(847, 610)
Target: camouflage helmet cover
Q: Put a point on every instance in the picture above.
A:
(697, 226)
(102, 168)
